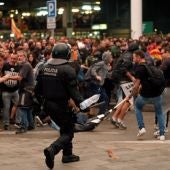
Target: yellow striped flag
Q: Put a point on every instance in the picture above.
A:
(15, 30)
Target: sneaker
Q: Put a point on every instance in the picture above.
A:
(157, 129)
(162, 137)
(20, 131)
(70, 158)
(121, 125)
(6, 127)
(141, 132)
(95, 121)
(156, 134)
(17, 125)
(114, 123)
(48, 152)
(101, 116)
(30, 128)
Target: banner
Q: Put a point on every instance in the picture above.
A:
(16, 31)
(127, 88)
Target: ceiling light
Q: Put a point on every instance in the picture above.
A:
(75, 10)
(12, 35)
(11, 15)
(98, 2)
(86, 7)
(26, 14)
(97, 8)
(16, 12)
(60, 11)
(42, 13)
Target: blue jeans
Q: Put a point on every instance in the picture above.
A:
(25, 116)
(97, 89)
(157, 102)
(7, 97)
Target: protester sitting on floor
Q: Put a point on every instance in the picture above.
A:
(83, 122)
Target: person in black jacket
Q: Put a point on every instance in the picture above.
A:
(56, 83)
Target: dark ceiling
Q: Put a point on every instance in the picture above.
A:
(31, 4)
(22, 4)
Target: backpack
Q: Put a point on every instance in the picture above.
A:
(122, 65)
(156, 78)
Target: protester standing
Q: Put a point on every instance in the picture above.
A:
(165, 67)
(95, 78)
(26, 78)
(146, 95)
(10, 90)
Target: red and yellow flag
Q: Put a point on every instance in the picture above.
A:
(15, 30)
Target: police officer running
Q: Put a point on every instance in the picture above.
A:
(56, 82)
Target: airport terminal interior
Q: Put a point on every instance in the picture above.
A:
(88, 18)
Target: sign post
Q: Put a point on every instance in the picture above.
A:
(51, 17)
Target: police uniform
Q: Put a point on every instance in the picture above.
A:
(56, 82)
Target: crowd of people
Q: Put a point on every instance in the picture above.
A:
(55, 73)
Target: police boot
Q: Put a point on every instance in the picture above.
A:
(70, 158)
(49, 154)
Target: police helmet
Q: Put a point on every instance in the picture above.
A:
(61, 50)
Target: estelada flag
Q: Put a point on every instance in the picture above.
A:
(15, 30)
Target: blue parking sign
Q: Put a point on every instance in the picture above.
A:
(51, 8)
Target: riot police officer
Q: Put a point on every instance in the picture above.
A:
(56, 82)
